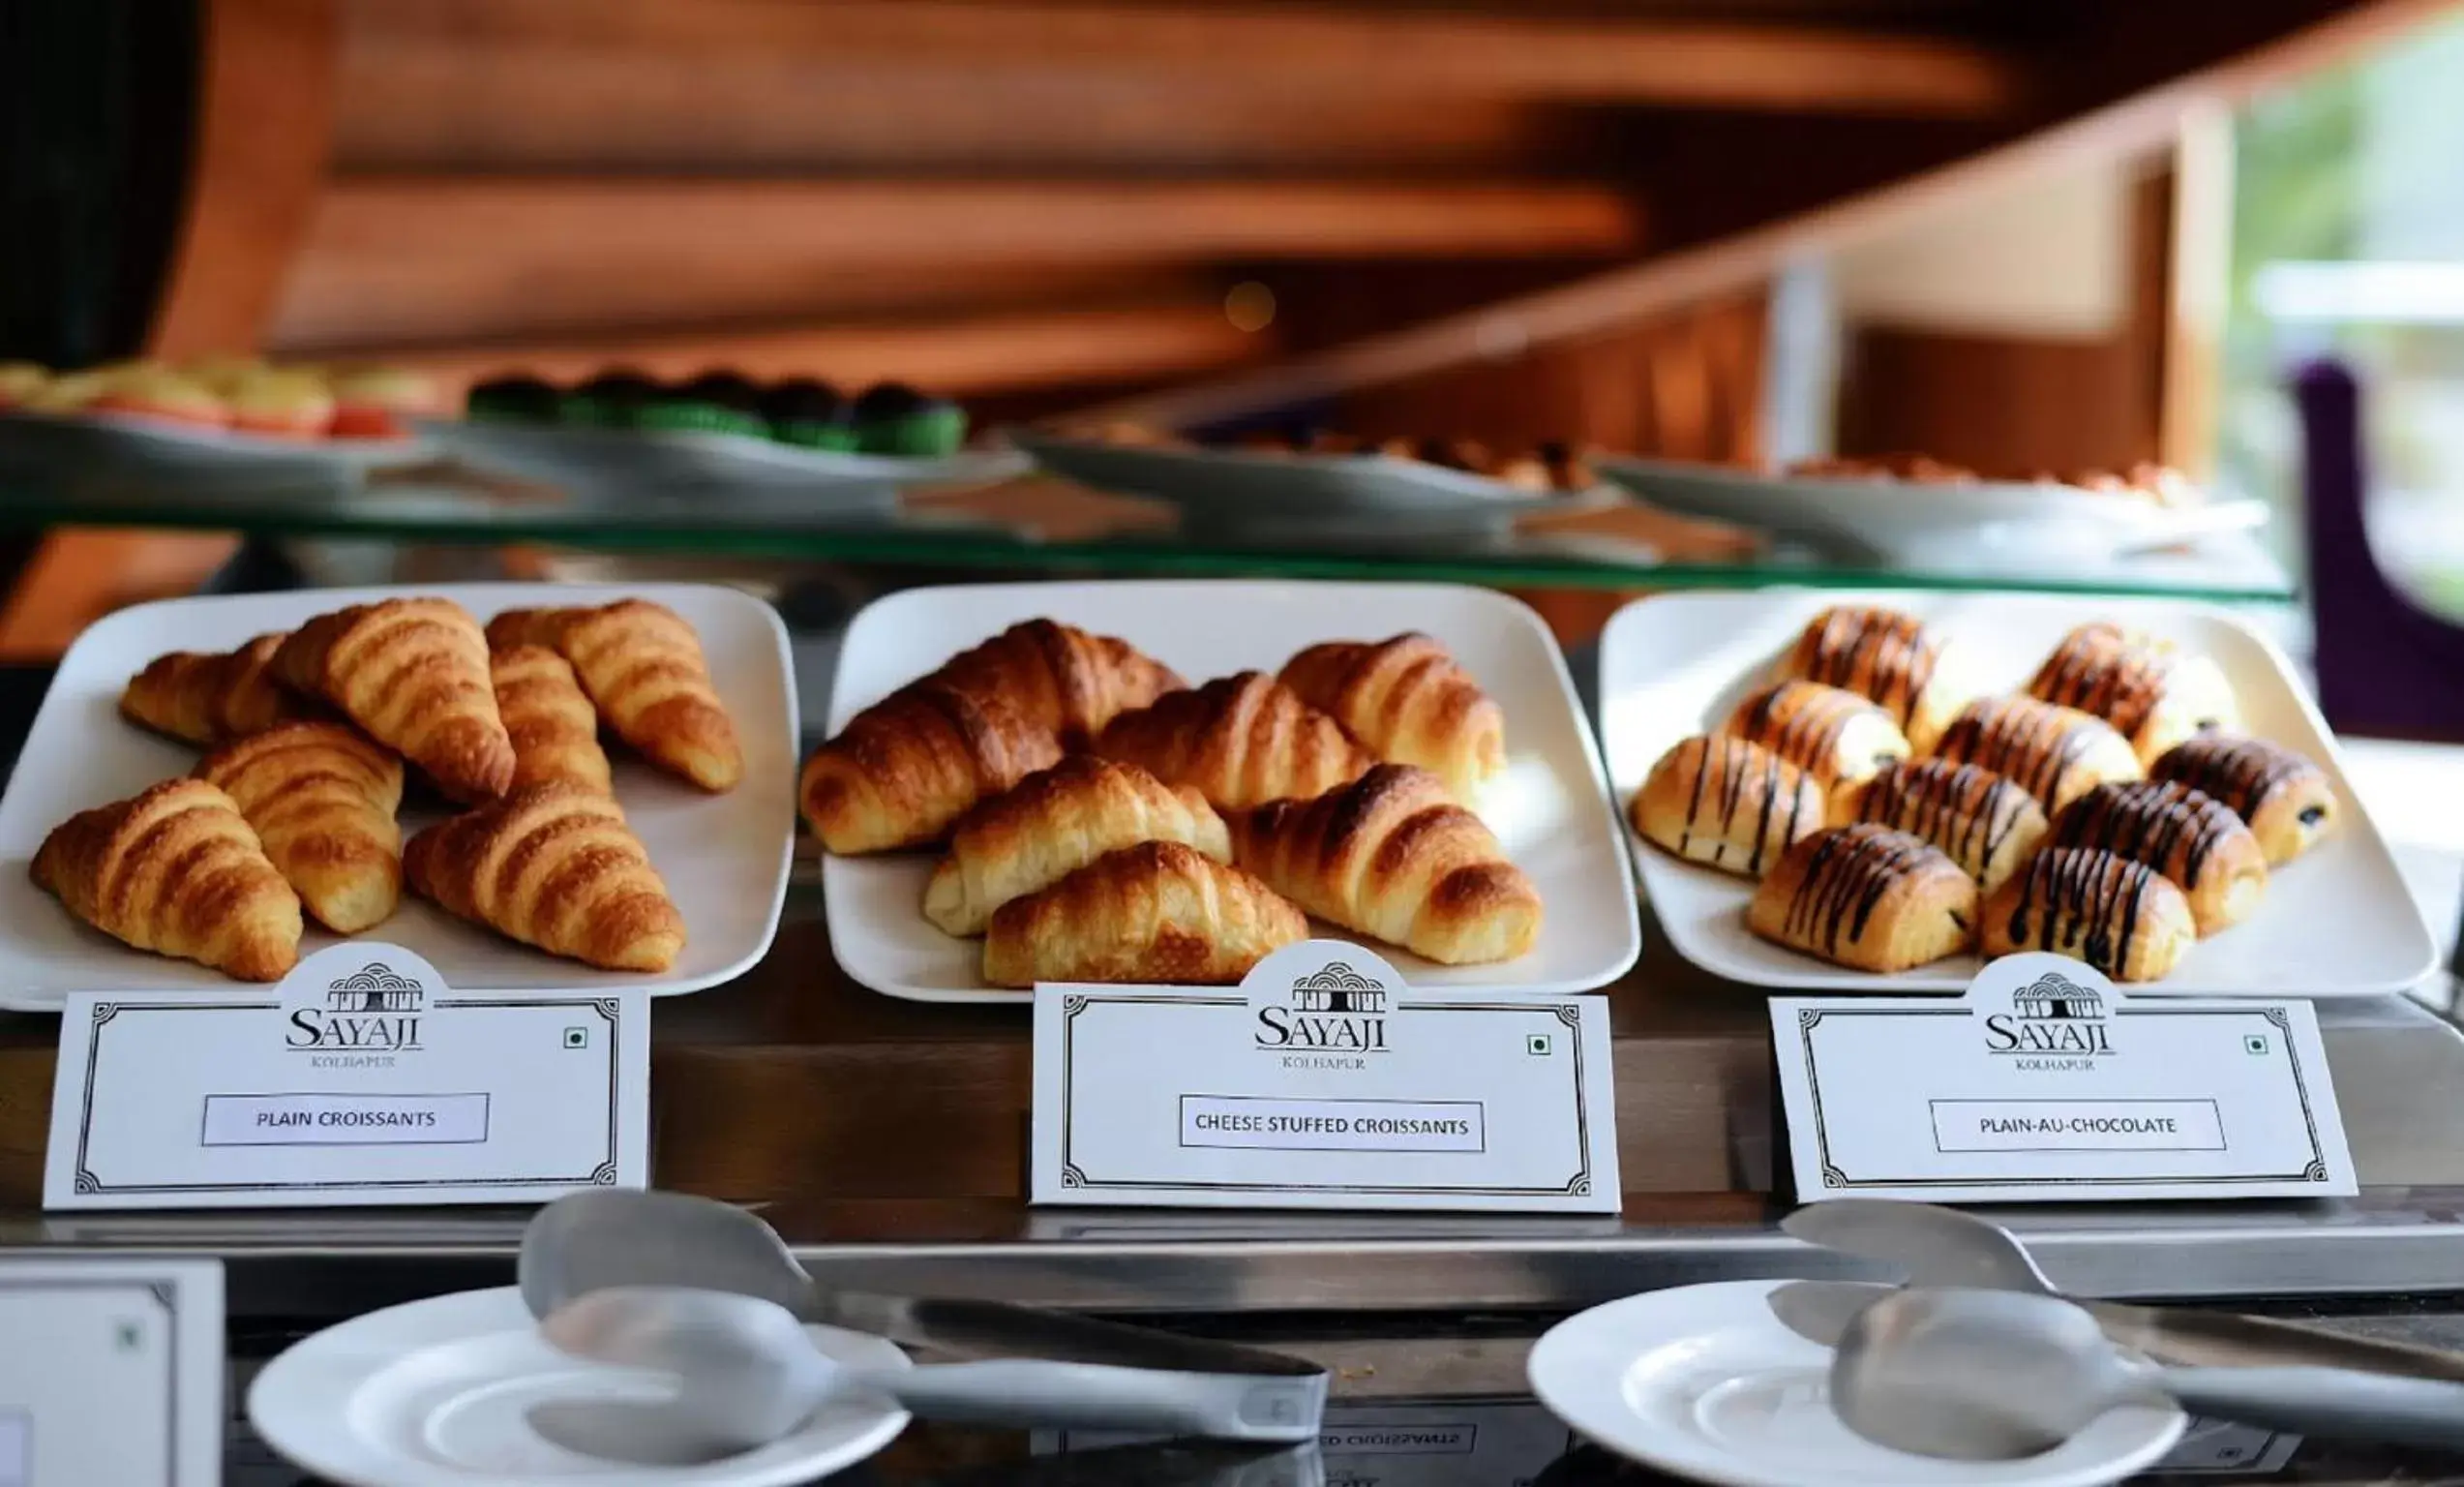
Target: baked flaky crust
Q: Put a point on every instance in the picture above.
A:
(2055, 754)
(553, 866)
(904, 770)
(2193, 841)
(554, 727)
(1241, 740)
(1886, 656)
(1062, 678)
(1829, 732)
(1055, 822)
(1727, 804)
(1867, 897)
(2287, 800)
(1391, 855)
(641, 665)
(321, 798)
(176, 870)
(1407, 701)
(2118, 916)
(414, 674)
(1981, 821)
(2150, 690)
(1160, 912)
(206, 699)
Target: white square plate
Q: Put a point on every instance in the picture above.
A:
(2336, 921)
(1549, 808)
(725, 857)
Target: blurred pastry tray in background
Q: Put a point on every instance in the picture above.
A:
(725, 857)
(1549, 808)
(560, 455)
(2338, 922)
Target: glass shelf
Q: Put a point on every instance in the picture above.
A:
(1030, 524)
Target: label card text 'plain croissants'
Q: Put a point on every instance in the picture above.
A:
(360, 1079)
(2048, 1083)
(1323, 1081)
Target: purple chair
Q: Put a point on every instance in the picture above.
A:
(2386, 667)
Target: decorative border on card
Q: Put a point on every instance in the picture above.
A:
(602, 1174)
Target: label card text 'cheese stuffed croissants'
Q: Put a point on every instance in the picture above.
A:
(1323, 1081)
(360, 1079)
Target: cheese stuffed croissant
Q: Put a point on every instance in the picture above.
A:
(1054, 823)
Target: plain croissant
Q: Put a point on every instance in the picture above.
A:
(643, 666)
(553, 867)
(212, 698)
(1160, 912)
(554, 728)
(1242, 740)
(1058, 677)
(1391, 855)
(1409, 701)
(1054, 823)
(176, 870)
(905, 769)
(414, 674)
(321, 798)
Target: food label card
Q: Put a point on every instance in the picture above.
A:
(1322, 1082)
(116, 1375)
(2045, 1083)
(361, 1079)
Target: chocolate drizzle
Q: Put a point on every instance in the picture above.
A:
(1802, 722)
(2083, 902)
(2242, 772)
(2031, 743)
(2162, 824)
(1848, 872)
(1741, 770)
(1878, 654)
(2100, 670)
(1967, 812)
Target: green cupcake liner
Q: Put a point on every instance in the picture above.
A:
(583, 411)
(928, 435)
(700, 419)
(811, 434)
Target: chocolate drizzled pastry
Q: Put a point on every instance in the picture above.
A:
(2055, 754)
(1981, 821)
(2193, 840)
(1867, 897)
(1727, 804)
(2151, 691)
(2118, 916)
(2285, 799)
(1885, 656)
(1831, 734)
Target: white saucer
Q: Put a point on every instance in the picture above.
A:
(437, 1393)
(1703, 1382)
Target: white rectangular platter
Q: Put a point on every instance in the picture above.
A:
(1549, 808)
(725, 857)
(2336, 921)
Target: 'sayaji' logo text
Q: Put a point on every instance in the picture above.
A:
(1336, 1016)
(2053, 1024)
(369, 1015)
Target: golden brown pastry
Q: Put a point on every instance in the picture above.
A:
(176, 870)
(322, 800)
(1242, 740)
(2118, 916)
(209, 699)
(2195, 841)
(1052, 824)
(1159, 912)
(1886, 656)
(553, 866)
(1408, 703)
(554, 728)
(1867, 897)
(641, 665)
(1061, 678)
(414, 674)
(2055, 754)
(1728, 803)
(1832, 734)
(1978, 819)
(905, 769)
(1391, 855)
(2150, 690)
(2285, 799)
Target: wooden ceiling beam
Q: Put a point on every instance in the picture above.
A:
(966, 356)
(1659, 61)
